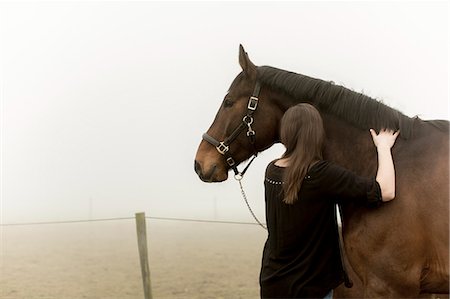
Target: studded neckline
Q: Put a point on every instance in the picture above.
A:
(273, 182)
(276, 177)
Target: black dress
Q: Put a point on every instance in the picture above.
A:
(301, 256)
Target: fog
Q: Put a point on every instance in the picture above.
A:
(103, 104)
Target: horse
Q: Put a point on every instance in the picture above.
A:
(399, 250)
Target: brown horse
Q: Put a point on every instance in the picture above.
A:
(398, 250)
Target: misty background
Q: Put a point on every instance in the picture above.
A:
(103, 104)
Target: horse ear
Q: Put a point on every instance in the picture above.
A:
(247, 66)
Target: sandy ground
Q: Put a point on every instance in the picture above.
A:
(100, 260)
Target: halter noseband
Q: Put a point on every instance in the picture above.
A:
(223, 147)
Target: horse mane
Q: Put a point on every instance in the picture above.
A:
(356, 108)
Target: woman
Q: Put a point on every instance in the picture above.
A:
(301, 256)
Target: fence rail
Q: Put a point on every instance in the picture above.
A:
(130, 218)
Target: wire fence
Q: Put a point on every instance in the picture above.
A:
(129, 218)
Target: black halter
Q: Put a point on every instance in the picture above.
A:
(223, 147)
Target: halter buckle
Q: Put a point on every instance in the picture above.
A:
(222, 148)
(252, 103)
(230, 161)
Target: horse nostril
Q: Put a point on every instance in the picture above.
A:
(198, 168)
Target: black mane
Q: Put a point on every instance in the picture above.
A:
(356, 108)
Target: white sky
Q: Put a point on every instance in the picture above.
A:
(103, 104)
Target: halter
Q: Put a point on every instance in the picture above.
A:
(223, 147)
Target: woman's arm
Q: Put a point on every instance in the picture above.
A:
(386, 172)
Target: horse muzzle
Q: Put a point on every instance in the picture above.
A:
(213, 173)
(209, 164)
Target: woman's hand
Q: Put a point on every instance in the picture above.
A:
(386, 172)
(385, 139)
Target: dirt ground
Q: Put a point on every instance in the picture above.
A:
(100, 260)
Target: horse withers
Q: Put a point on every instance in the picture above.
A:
(399, 250)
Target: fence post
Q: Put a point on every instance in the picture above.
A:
(143, 253)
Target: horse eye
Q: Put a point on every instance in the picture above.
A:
(227, 103)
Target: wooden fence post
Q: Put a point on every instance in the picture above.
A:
(143, 253)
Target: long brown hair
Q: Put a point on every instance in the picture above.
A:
(302, 133)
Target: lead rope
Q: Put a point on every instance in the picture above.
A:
(239, 179)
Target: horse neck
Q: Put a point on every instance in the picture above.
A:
(349, 146)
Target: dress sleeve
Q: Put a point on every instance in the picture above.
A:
(345, 185)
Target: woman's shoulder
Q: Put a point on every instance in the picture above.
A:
(319, 166)
(271, 164)
(272, 170)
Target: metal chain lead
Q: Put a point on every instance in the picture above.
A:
(248, 205)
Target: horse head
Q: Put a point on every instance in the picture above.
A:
(244, 125)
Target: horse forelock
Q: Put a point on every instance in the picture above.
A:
(356, 108)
